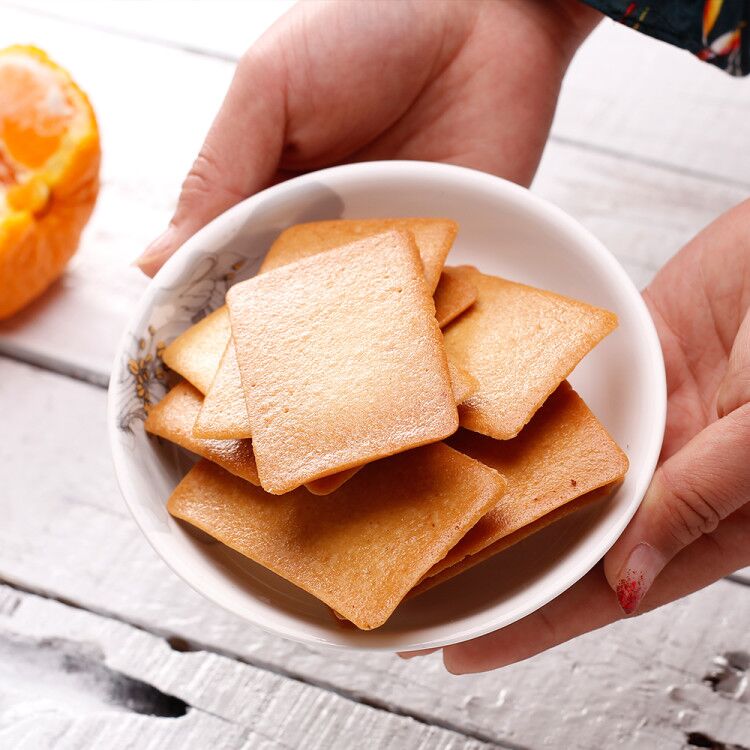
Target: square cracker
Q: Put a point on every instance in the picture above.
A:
(563, 454)
(342, 361)
(360, 549)
(463, 386)
(453, 295)
(430, 581)
(196, 352)
(520, 343)
(197, 355)
(223, 415)
(173, 417)
(434, 238)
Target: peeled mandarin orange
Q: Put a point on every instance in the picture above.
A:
(49, 172)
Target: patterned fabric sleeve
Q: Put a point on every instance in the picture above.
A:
(713, 30)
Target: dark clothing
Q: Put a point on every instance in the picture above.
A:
(716, 31)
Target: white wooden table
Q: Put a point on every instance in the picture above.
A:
(101, 646)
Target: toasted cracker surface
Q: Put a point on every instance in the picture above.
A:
(520, 343)
(196, 352)
(445, 574)
(561, 455)
(173, 418)
(454, 294)
(223, 415)
(359, 549)
(434, 238)
(342, 361)
(464, 384)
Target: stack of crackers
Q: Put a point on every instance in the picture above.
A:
(372, 423)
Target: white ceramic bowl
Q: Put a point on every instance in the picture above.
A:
(505, 230)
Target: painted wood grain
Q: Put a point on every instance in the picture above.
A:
(73, 679)
(154, 112)
(624, 92)
(66, 533)
(650, 101)
(221, 28)
(643, 214)
(154, 108)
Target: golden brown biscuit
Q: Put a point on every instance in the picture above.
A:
(520, 343)
(434, 238)
(453, 295)
(562, 454)
(223, 415)
(432, 580)
(464, 384)
(329, 484)
(196, 352)
(360, 549)
(173, 417)
(342, 361)
(199, 353)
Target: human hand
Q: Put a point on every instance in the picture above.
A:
(693, 526)
(467, 83)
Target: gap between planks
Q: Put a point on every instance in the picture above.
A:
(59, 366)
(103, 678)
(650, 162)
(192, 49)
(177, 643)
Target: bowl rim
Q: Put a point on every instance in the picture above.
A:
(196, 244)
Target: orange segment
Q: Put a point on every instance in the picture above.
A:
(49, 173)
(37, 110)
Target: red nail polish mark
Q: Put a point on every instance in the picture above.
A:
(630, 591)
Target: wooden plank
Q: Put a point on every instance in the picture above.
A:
(65, 532)
(624, 92)
(150, 136)
(648, 100)
(222, 28)
(103, 683)
(44, 728)
(643, 213)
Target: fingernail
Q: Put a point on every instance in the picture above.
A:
(156, 250)
(638, 573)
(412, 654)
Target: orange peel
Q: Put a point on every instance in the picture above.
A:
(49, 172)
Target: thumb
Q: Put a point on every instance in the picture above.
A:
(697, 487)
(238, 158)
(735, 388)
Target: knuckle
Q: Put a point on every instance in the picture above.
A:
(199, 180)
(734, 394)
(690, 512)
(205, 187)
